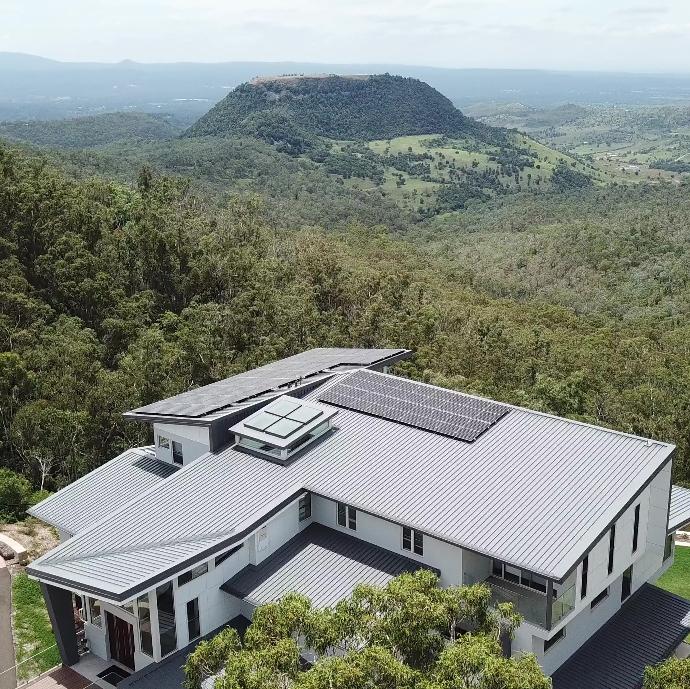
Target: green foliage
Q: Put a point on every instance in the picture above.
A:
(15, 495)
(565, 178)
(401, 636)
(678, 166)
(376, 107)
(671, 674)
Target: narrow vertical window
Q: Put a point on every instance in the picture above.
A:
(352, 518)
(193, 624)
(612, 547)
(305, 507)
(342, 514)
(636, 528)
(177, 452)
(144, 614)
(407, 538)
(626, 588)
(583, 581)
(668, 547)
(418, 543)
(167, 632)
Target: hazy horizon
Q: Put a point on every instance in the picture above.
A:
(615, 36)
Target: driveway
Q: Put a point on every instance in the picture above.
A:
(8, 677)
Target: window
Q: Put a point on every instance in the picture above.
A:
(145, 637)
(518, 576)
(612, 547)
(163, 442)
(627, 583)
(668, 548)
(222, 558)
(511, 574)
(95, 612)
(583, 581)
(560, 634)
(636, 528)
(165, 600)
(192, 574)
(599, 598)
(193, 624)
(177, 452)
(305, 507)
(347, 516)
(497, 568)
(413, 540)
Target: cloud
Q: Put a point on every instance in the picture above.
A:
(643, 10)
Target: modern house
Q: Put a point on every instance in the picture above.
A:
(322, 470)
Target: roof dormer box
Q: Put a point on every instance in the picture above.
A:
(283, 427)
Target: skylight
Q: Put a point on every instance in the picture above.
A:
(283, 427)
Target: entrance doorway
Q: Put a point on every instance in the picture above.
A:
(121, 640)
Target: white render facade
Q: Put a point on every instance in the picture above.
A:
(559, 614)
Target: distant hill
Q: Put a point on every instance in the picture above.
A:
(360, 107)
(87, 132)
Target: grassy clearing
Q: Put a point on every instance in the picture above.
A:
(32, 630)
(677, 578)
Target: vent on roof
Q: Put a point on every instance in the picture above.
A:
(283, 427)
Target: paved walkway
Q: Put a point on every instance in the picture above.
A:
(62, 678)
(8, 677)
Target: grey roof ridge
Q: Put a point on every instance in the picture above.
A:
(527, 410)
(140, 450)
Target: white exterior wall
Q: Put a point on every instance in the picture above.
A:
(446, 557)
(195, 441)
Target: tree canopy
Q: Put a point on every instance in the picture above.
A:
(406, 635)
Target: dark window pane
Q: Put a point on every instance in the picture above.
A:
(407, 538)
(193, 625)
(222, 558)
(627, 583)
(668, 549)
(418, 543)
(177, 452)
(599, 598)
(305, 507)
(352, 518)
(636, 528)
(165, 600)
(512, 575)
(497, 568)
(145, 637)
(342, 520)
(554, 639)
(585, 573)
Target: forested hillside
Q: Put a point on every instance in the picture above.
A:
(114, 295)
(356, 107)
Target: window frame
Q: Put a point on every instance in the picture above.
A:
(669, 547)
(191, 574)
(195, 618)
(143, 603)
(412, 541)
(175, 454)
(636, 529)
(163, 442)
(550, 643)
(626, 590)
(95, 603)
(584, 576)
(612, 548)
(346, 516)
(599, 598)
(304, 508)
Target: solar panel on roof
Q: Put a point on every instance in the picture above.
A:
(446, 412)
(216, 396)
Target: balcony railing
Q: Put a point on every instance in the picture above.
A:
(531, 604)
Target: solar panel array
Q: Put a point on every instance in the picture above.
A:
(445, 412)
(216, 396)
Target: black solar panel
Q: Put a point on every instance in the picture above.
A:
(216, 396)
(432, 409)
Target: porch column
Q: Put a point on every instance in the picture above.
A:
(61, 613)
(549, 603)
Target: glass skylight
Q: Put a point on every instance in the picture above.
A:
(283, 426)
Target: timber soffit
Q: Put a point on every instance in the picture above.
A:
(534, 490)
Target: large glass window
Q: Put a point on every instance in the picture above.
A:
(95, 616)
(145, 636)
(193, 624)
(165, 600)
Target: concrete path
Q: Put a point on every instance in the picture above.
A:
(8, 677)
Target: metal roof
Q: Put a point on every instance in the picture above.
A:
(679, 514)
(645, 631)
(278, 374)
(299, 566)
(558, 484)
(423, 406)
(90, 498)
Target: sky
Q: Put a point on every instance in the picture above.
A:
(602, 35)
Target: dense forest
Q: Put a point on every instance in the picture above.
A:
(115, 294)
